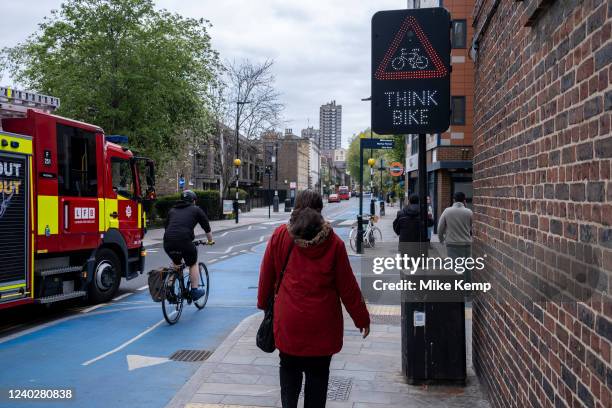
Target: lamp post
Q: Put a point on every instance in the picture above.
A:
(371, 163)
(237, 161)
(381, 169)
(275, 162)
(269, 174)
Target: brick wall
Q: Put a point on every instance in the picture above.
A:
(543, 200)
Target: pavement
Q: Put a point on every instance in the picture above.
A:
(366, 373)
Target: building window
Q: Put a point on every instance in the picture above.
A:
(414, 144)
(76, 162)
(457, 110)
(459, 34)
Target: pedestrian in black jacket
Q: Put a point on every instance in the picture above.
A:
(408, 220)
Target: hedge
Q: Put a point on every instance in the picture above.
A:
(242, 194)
(208, 200)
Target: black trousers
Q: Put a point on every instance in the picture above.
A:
(316, 370)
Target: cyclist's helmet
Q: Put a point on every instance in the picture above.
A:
(188, 196)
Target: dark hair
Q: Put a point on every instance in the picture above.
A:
(414, 199)
(305, 223)
(306, 220)
(459, 197)
(308, 199)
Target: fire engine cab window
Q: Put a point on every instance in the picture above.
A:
(76, 159)
(123, 178)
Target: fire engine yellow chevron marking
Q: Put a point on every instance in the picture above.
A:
(48, 214)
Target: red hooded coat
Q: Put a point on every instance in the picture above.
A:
(308, 317)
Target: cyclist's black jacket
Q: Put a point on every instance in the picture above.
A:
(182, 219)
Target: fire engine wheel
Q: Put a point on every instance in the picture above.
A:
(107, 276)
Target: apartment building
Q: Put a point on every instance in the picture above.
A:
(330, 126)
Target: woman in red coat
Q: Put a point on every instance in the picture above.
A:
(308, 322)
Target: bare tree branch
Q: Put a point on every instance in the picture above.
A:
(253, 83)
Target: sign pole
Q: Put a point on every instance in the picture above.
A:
(423, 186)
(360, 216)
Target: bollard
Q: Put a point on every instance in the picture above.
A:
(275, 203)
(382, 208)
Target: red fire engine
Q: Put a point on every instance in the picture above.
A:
(71, 205)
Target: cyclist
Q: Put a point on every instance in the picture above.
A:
(179, 236)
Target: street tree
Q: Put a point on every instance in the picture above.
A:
(251, 82)
(125, 66)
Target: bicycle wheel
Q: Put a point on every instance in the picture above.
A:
(398, 63)
(353, 239)
(204, 285)
(172, 301)
(377, 234)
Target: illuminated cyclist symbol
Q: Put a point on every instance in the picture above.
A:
(5, 202)
(413, 59)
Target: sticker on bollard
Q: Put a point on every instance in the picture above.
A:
(419, 319)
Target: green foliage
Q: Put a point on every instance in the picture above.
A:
(352, 157)
(208, 200)
(242, 194)
(124, 66)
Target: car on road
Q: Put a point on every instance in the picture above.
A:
(333, 198)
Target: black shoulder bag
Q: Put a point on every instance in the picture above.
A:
(265, 333)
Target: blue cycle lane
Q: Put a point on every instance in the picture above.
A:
(117, 355)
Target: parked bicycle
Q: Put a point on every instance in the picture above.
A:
(176, 289)
(370, 235)
(412, 59)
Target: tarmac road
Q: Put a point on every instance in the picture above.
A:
(118, 354)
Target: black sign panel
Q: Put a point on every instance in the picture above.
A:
(411, 71)
(13, 217)
(384, 144)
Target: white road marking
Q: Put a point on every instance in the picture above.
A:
(213, 260)
(348, 222)
(135, 361)
(89, 309)
(124, 345)
(274, 222)
(144, 287)
(123, 296)
(152, 250)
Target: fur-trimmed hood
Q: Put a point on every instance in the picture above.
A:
(326, 230)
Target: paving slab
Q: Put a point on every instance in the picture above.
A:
(239, 375)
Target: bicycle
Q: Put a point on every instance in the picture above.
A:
(177, 289)
(412, 58)
(370, 234)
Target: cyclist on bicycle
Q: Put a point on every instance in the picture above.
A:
(179, 236)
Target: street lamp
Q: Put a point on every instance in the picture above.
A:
(371, 163)
(275, 200)
(237, 161)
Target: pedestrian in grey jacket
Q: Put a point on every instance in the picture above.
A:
(455, 228)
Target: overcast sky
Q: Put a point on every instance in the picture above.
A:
(321, 48)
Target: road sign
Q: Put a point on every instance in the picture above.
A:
(396, 169)
(411, 71)
(384, 144)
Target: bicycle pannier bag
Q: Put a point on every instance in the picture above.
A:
(156, 284)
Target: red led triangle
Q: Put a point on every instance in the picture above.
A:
(441, 70)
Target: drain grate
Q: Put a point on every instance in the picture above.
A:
(338, 388)
(190, 355)
(394, 320)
